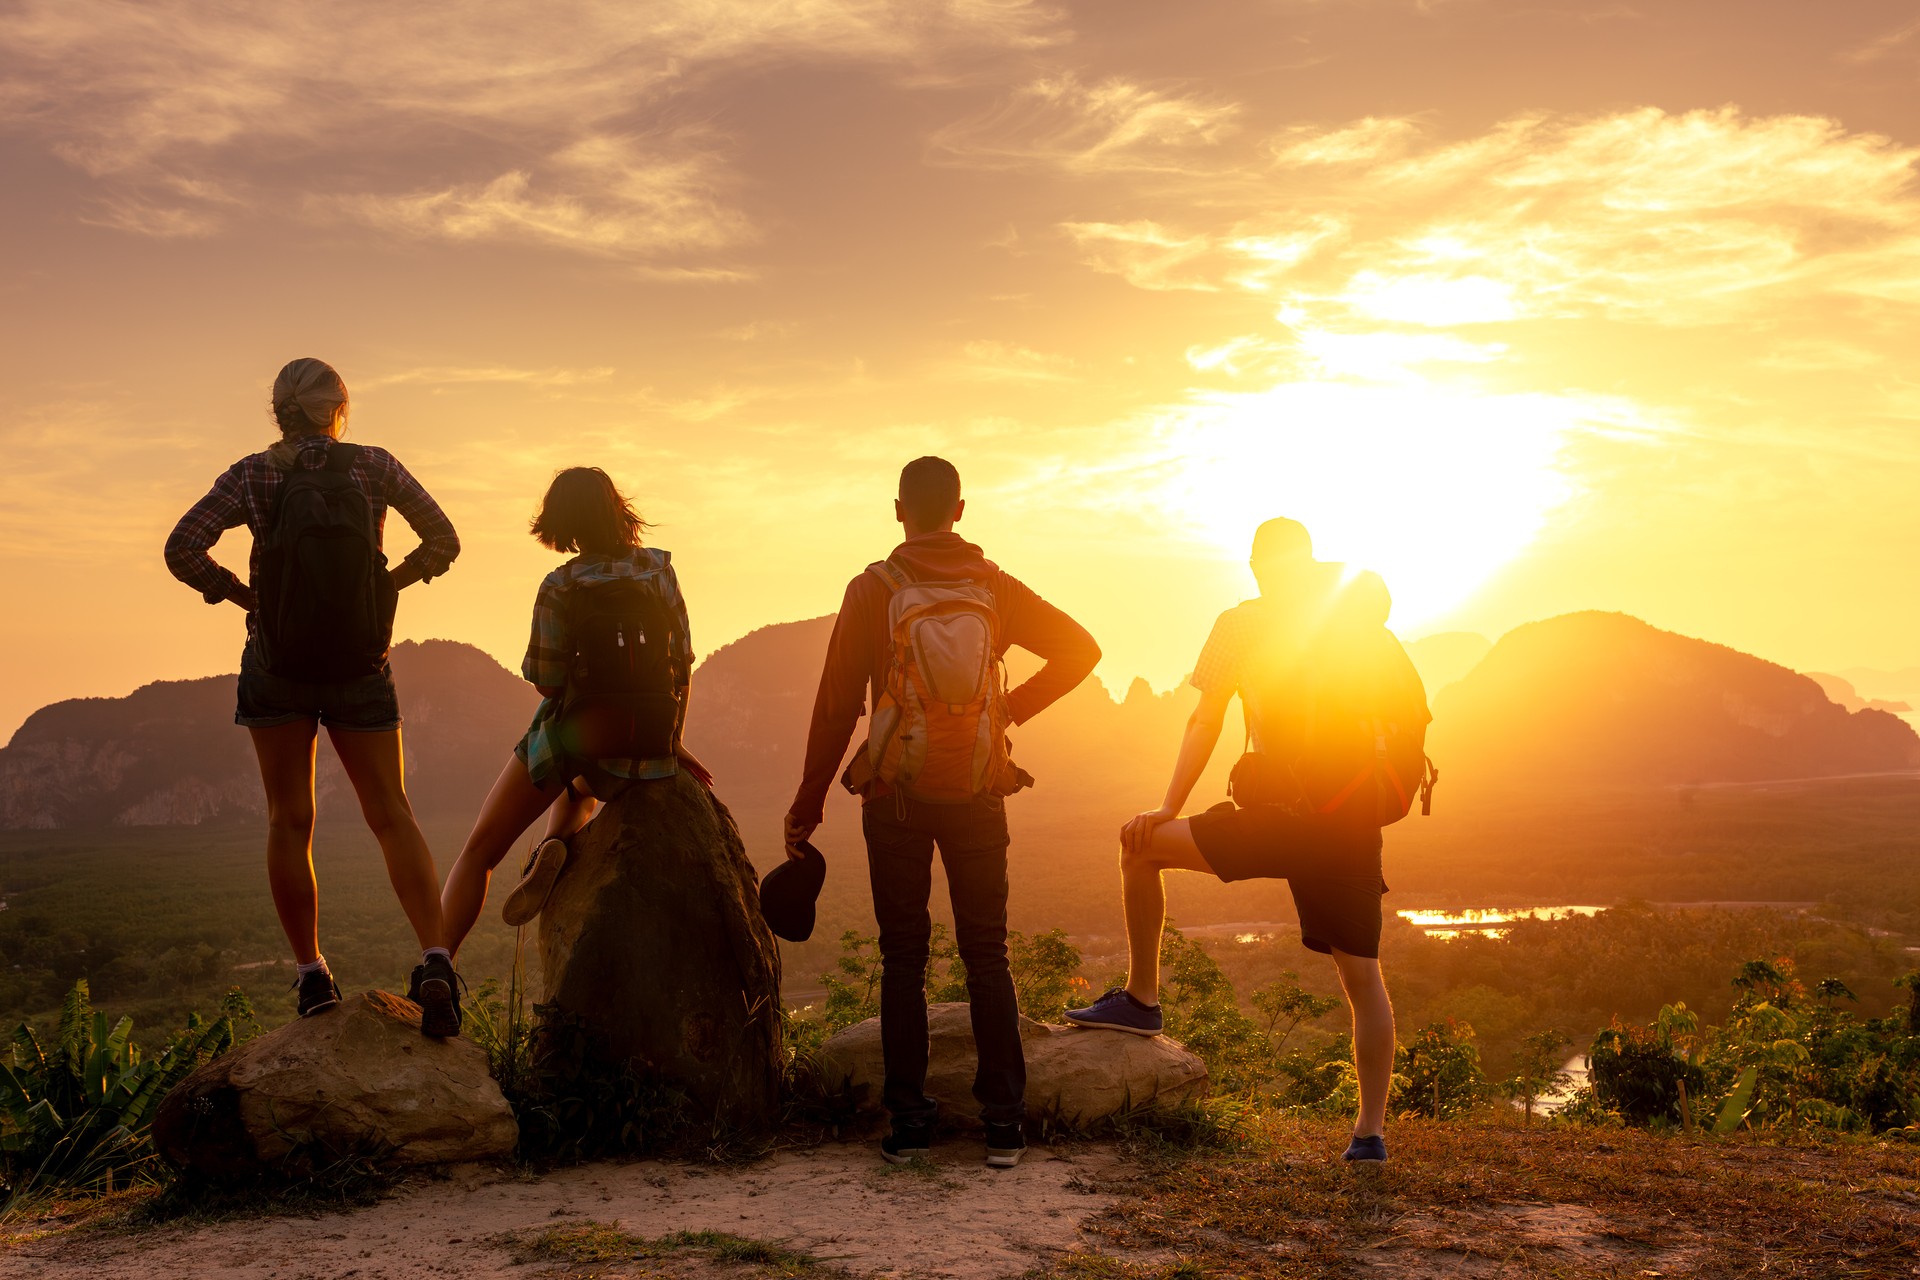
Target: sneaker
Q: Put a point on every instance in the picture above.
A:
(1371, 1150)
(536, 882)
(435, 987)
(907, 1143)
(1006, 1143)
(318, 992)
(1117, 1010)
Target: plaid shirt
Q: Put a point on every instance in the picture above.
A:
(550, 653)
(245, 492)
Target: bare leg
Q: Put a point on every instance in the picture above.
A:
(1372, 1038)
(508, 810)
(377, 771)
(1144, 896)
(572, 811)
(286, 770)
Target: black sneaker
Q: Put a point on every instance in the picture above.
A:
(435, 987)
(1369, 1150)
(318, 992)
(1006, 1143)
(907, 1143)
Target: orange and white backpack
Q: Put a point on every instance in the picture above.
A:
(939, 731)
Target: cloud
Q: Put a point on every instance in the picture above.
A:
(446, 375)
(1116, 125)
(1010, 362)
(527, 112)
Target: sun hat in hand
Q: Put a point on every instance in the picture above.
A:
(788, 892)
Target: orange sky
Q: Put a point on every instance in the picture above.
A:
(1532, 307)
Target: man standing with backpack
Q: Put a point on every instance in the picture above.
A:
(923, 631)
(1336, 725)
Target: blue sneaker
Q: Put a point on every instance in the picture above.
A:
(1371, 1150)
(1117, 1010)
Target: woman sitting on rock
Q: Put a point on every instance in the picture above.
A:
(611, 654)
(319, 601)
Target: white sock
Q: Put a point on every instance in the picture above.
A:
(319, 965)
(431, 952)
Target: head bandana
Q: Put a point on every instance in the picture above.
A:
(314, 386)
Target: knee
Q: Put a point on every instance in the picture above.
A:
(387, 814)
(290, 819)
(1138, 859)
(984, 958)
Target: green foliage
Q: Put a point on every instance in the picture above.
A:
(1437, 1072)
(76, 1113)
(1538, 1069)
(1734, 1110)
(1644, 1074)
(576, 1102)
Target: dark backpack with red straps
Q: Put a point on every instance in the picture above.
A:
(326, 599)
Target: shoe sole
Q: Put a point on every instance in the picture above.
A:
(999, 1159)
(318, 1008)
(906, 1155)
(1113, 1026)
(437, 1018)
(529, 897)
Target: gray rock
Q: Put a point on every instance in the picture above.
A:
(653, 937)
(358, 1080)
(1074, 1076)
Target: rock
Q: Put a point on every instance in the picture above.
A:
(359, 1080)
(1074, 1076)
(653, 938)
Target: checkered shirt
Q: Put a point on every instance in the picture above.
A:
(244, 495)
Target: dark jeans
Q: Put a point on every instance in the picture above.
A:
(972, 839)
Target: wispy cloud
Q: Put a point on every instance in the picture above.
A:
(553, 124)
(1115, 125)
(445, 375)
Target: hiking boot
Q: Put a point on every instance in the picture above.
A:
(318, 992)
(536, 882)
(1371, 1150)
(907, 1143)
(1117, 1010)
(435, 987)
(1006, 1143)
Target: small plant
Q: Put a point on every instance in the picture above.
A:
(1437, 1072)
(1538, 1071)
(75, 1114)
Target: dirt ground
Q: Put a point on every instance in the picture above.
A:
(951, 1219)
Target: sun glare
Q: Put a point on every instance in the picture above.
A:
(1434, 489)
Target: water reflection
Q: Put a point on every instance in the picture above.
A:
(1485, 922)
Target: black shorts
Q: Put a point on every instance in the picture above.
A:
(1333, 869)
(266, 701)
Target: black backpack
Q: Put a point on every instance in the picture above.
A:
(326, 599)
(626, 686)
(1355, 721)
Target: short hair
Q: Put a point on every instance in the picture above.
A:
(583, 511)
(1279, 540)
(929, 490)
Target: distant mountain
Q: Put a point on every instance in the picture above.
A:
(1603, 699)
(1583, 700)
(168, 753)
(1445, 656)
(1843, 692)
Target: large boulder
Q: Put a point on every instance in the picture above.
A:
(356, 1081)
(653, 939)
(1074, 1076)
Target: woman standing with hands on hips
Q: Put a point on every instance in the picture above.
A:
(319, 600)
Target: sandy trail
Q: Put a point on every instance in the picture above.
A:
(957, 1220)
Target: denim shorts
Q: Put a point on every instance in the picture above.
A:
(266, 701)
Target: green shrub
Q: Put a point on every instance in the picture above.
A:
(1437, 1073)
(76, 1113)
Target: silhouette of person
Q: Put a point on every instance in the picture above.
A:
(1273, 652)
(903, 830)
(282, 703)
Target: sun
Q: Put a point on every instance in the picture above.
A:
(1433, 488)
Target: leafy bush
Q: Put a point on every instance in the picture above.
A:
(1437, 1073)
(1646, 1075)
(76, 1113)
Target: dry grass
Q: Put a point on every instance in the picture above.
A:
(587, 1249)
(1495, 1198)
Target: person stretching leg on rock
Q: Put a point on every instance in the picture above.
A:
(1336, 719)
(319, 604)
(611, 655)
(924, 630)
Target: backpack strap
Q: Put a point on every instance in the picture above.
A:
(341, 457)
(893, 575)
